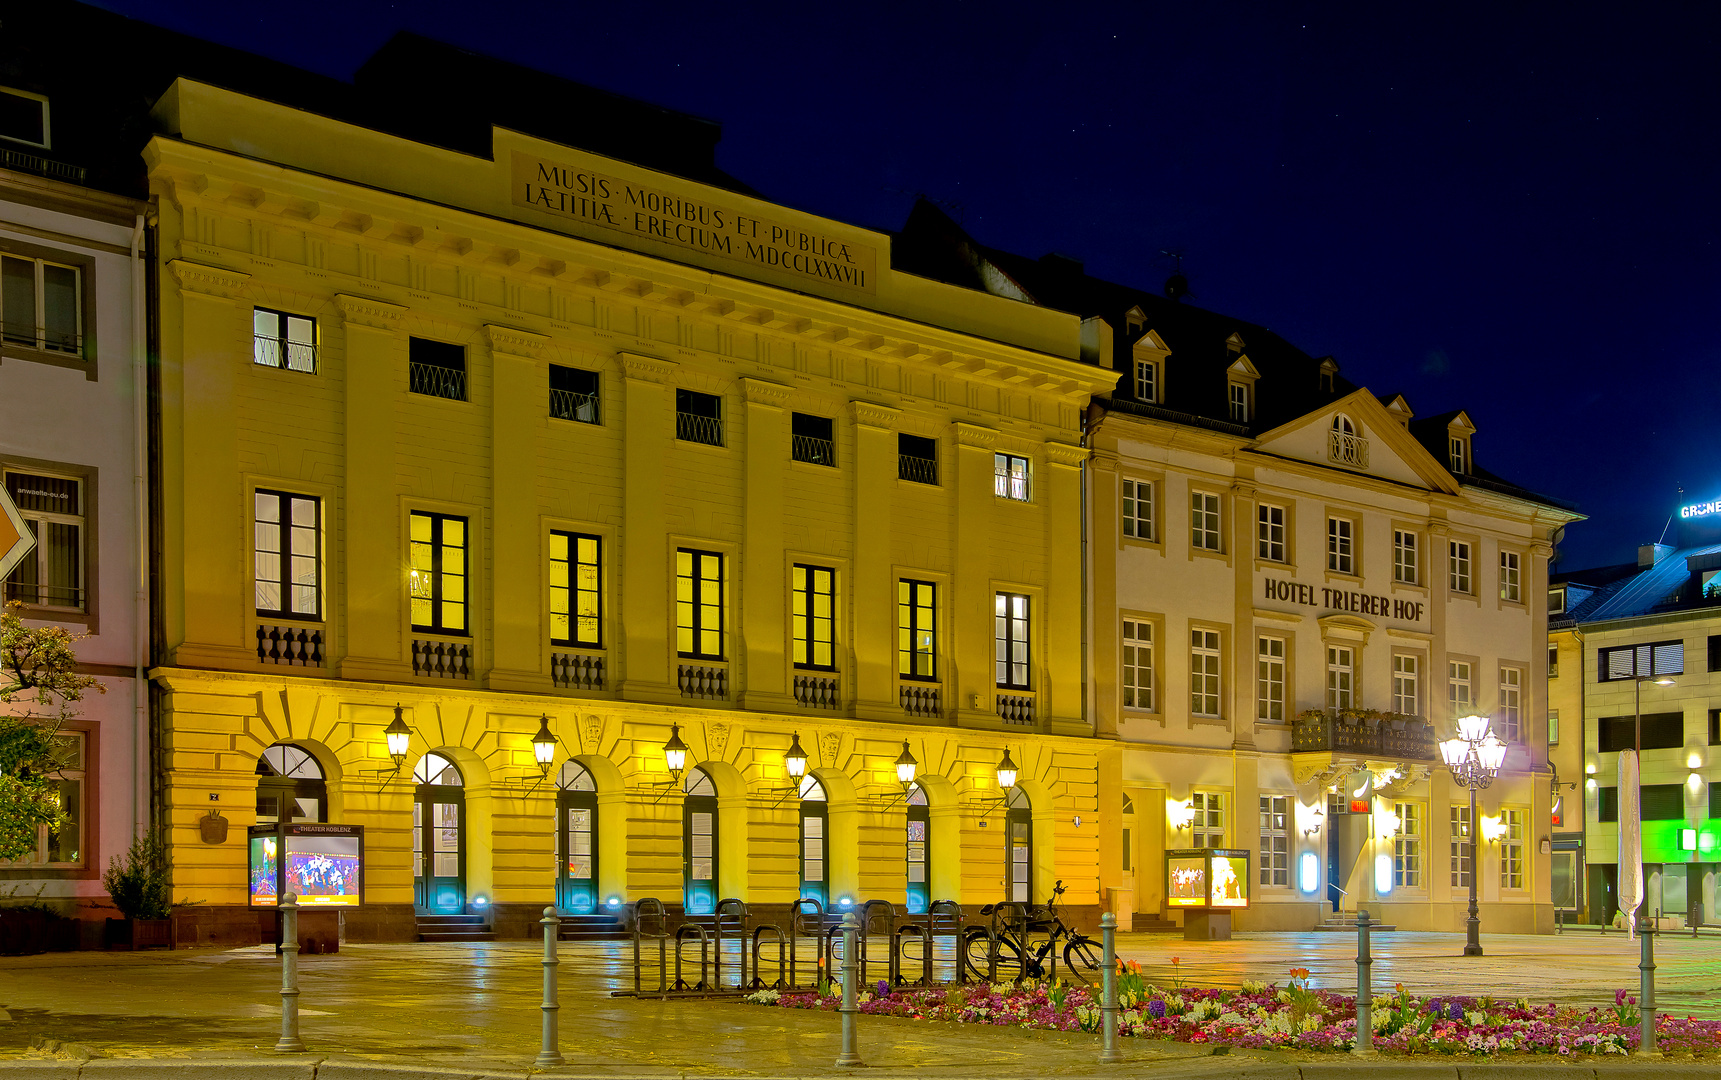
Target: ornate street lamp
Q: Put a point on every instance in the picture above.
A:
(675, 753)
(795, 758)
(905, 766)
(1006, 773)
(544, 745)
(399, 736)
(1474, 757)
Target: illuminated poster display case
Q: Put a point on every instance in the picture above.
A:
(1207, 878)
(323, 864)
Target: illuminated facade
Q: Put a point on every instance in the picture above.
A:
(531, 442)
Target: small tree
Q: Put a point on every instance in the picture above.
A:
(39, 684)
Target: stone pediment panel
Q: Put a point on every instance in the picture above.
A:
(1358, 434)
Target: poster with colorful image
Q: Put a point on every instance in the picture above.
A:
(1186, 879)
(325, 870)
(1228, 878)
(265, 869)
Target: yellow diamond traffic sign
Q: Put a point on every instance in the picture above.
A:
(16, 540)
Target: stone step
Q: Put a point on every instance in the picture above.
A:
(455, 935)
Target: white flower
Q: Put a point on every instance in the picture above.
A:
(1474, 1019)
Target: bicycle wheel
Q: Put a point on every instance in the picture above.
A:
(1081, 949)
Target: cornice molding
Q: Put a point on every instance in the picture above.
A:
(765, 392)
(207, 280)
(647, 368)
(1105, 460)
(1059, 453)
(871, 414)
(506, 339)
(974, 435)
(364, 311)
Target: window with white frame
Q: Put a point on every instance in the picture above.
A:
(1239, 403)
(1341, 555)
(1275, 840)
(1341, 677)
(1458, 454)
(1407, 846)
(24, 118)
(1147, 381)
(65, 846)
(1204, 521)
(1207, 819)
(1138, 509)
(1553, 727)
(1509, 589)
(1137, 664)
(283, 340)
(1270, 679)
(1458, 846)
(1459, 696)
(287, 554)
(1512, 849)
(1010, 477)
(1458, 566)
(1204, 672)
(41, 305)
(1270, 532)
(51, 574)
(1010, 636)
(1512, 704)
(1406, 672)
(1404, 556)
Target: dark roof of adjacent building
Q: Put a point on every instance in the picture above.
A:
(1674, 582)
(1205, 344)
(103, 72)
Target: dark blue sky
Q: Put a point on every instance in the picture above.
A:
(1506, 208)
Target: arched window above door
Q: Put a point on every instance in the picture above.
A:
(1018, 800)
(290, 786)
(698, 782)
(575, 777)
(812, 790)
(436, 769)
(916, 795)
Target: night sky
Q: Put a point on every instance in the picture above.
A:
(1510, 209)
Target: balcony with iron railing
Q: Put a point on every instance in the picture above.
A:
(694, 428)
(1364, 733)
(568, 405)
(918, 469)
(1346, 448)
(435, 380)
(268, 351)
(41, 166)
(812, 450)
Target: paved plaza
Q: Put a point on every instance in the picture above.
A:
(473, 1008)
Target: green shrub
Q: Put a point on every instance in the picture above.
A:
(137, 881)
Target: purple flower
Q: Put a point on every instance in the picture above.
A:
(883, 988)
(1156, 1009)
(1456, 1012)
(1436, 1008)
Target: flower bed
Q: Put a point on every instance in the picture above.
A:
(1293, 1017)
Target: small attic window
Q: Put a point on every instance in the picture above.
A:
(23, 117)
(1329, 375)
(1135, 321)
(1458, 454)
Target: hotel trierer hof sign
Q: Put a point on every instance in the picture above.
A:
(700, 225)
(16, 539)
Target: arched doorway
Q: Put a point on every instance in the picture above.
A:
(291, 787)
(699, 843)
(1019, 846)
(815, 829)
(439, 837)
(576, 839)
(918, 839)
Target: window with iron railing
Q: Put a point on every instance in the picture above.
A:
(282, 340)
(1347, 447)
(1010, 477)
(436, 369)
(573, 394)
(698, 417)
(810, 440)
(917, 459)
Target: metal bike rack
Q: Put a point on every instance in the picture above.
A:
(651, 907)
(947, 915)
(783, 962)
(733, 912)
(799, 914)
(877, 909)
(682, 932)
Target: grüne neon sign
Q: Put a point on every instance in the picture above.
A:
(1697, 510)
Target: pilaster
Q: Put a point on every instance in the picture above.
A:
(873, 589)
(762, 613)
(517, 404)
(973, 672)
(1243, 708)
(1104, 549)
(649, 402)
(1062, 484)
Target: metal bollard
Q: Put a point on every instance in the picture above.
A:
(1646, 994)
(289, 1041)
(549, 1052)
(1364, 991)
(1109, 1052)
(851, 1003)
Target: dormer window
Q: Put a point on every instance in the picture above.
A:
(1240, 387)
(1136, 320)
(1329, 376)
(1458, 454)
(1239, 403)
(24, 117)
(1148, 355)
(1557, 600)
(1147, 381)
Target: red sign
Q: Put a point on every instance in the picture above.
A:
(1359, 806)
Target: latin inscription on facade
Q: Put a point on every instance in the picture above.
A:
(1360, 603)
(710, 228)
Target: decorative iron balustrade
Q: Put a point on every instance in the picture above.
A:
(691, 427)
(58, 170)
(1407, 738)
(434, 380)
(918, 469)
(567, 405)
(1017, 709)
(288, 644)
(813, 450)
(441, 659)
(1348, 449)
(918, 700)
(577, 671)
(817, 692)
(703, 681)
(269, 351)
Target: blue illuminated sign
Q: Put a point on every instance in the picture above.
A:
(1698, 510)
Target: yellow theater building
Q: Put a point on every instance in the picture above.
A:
(544, 512)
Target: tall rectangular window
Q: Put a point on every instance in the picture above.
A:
(576, 590)
(916, 629)
(436, 368)
(1137, 664)
(1010, 477)
(1010, 634)
(1407, 846)
(1341, 553)
(1458, 846)
(287, 554)
(698, 417)
(1512, 704)
(1512, 850)
(65, 846)
(1553, 727)
(1404, 556)
(1406, 672)
(1458, 455)
(1138, 509)
(812, 439)
(1239, 403)
(1204, 672)
(1458, 566)
(1147, 381)
(1275, 840)
(1509, 585)
(1270, 532)
(813, 617)
(51, 574)
(574, 394)
(41, 305)
(1341, 677)
(1204, 521)
(1459, 696)
(1270, 679)
(699, 603)
(438, 575)
(282, 340)
(1207, 819)
(916, 458)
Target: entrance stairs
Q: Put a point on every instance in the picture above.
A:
(1344, 922)
(1143, 923)
(596, 927)
(454, 928)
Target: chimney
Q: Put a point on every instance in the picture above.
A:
(1650, 554)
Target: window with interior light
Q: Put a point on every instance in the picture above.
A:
(437, 577)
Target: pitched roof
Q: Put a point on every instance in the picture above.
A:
(1627, 590)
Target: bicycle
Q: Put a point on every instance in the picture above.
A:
(1016, 946)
